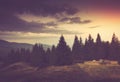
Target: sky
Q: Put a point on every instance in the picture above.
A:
(44, 21)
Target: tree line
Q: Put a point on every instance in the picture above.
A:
(62, 54)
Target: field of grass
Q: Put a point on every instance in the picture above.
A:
(22, 72)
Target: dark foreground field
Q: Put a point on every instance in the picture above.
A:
(22, 72)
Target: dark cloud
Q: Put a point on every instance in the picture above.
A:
(97, 4)
(13, 23)
(51, 24)
(60, 9)
(10, 22)
(37, 7)
(52, 7)
(86, 21)
(72, 20)
(9, 8)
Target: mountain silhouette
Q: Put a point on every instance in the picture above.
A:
(6, 47)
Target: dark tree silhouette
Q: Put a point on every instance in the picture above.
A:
(98, 39)
(48, 57)
(114, 48)
(53, 56)
(75, 49)
(106, 49)
(89, 48)
(82, 57)
(77, 52)
(25, 55)
(13, 56)
(99, 48)
(63, 53)
(38, 56)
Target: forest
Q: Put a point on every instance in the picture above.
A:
(62, 54)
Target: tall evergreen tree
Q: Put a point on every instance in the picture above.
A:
(63, 53)
(14, 56)
(75, 49)
(25, 55)
(114, 48)
(99, 48)
(106, 48)
(85, 49)
(98, 40)
(89, 48)
(38, 56)
(53, 57)
(81, 52)
(115, 40)
(48, 57)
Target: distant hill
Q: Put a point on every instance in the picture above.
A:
(6, 47)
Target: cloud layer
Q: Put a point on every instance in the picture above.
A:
(62, 11)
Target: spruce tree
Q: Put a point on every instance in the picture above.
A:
(76, 49)
(114, 48)
(38, 56)
(99, 48)
(63, 53)
(53, 57)
(89, 48)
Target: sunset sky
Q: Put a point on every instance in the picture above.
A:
(43, 21)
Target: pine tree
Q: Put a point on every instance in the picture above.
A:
(53, 56)
(63, 53)
(115, 40)
(48, 57)
(25, 55)
(38, 56)
(106, 48)
(99, 48)
(85, 49)
(14, 56)
(81, 52)
(89, 48)
(76, 50)
(114, 48)
(98, 40)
